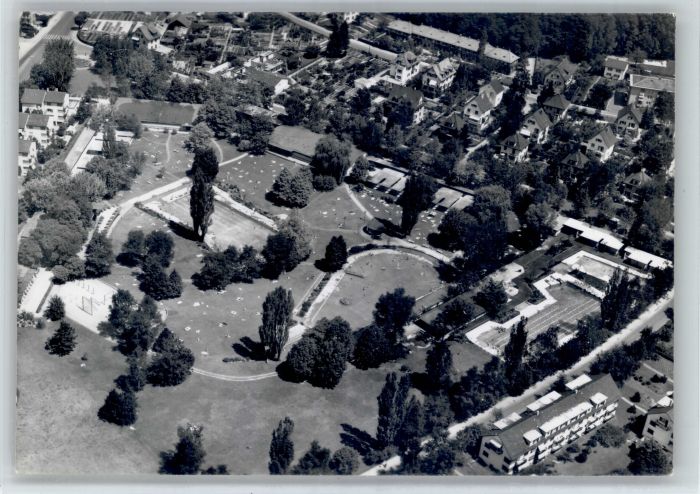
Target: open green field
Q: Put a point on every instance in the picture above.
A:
(59, 432)
(373, 275)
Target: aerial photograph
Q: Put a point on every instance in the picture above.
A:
(345, 243)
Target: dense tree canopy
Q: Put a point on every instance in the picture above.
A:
(281, 448)
(188, 455)
(417, 196)
(276, 321)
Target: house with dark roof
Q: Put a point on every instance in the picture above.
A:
(536, 126)
(452, 124)
(658, 424)
(27, 155)
(575, 163)
(514, 147)
(35, 126)
(477, 113)
(601, 145)
(56, 104)
(274, 82)
(405, 67)
(413, 96)
(494, 91)
(549, 424)
(561, 75)
(32, 99)
(556, 107)
(628, 122)
(439, 77)
(159, 115)
(615, 68)
(644, 89)
(147, 34)
(634, 182)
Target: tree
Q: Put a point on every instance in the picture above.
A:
(361, 103)
(172, 366)
(188, 455)
(206, 161)
(373, 347)
(159, 245)
(539, 221)
(438, 413)
(301, 359)
(119, 408)
(492, 298)
(62, 342)
(333, 351)
(80, 18)
(615, 308)
(417, 196)
(392, 311)
(410, 431)
(314, 462)
(293, 190)
(57, 66)
(649, 458)
(165, 342)
(230, 266)
(276, 320)
(281, 448)
(201, 204)
(513, 357)
(452, 317)
(344, 461)
(469, 439)
(133, 248)
(123, 304)
(336, 254)
(438, 365)
(664, 107)
(338, 41)
(359, 172)
(440, 458)
(295, 107)
(199, 138)
(135, 380)
(331, 158)
(288, 247)
(56, 309)
(391, 402)
(98, 256)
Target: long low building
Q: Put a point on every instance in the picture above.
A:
(159, 115)
(300, 143)
(457, 44)
(549, 424)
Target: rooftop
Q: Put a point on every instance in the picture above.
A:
(558, 101)
(631, 110)
(25, 146)
(300, 140)
(616, 63)
(607, 135)
(158, 112)
(652, 82)
(33, 96)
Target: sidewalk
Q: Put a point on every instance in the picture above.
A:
(26, 44)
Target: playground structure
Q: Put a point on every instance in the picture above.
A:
(87, 301)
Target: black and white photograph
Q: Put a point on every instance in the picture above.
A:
(345, 243)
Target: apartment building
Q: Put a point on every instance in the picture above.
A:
(439, 77)
(658, 424)
(615, 68)
(644, 89)
(26, 157)
(35, 126)
(550, 423)
(405, 67)
(56, 104)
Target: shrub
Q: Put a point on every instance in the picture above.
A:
(324, 183)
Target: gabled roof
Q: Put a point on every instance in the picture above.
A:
(565, 68)
(482, 102)
(453, 121)
(402, 92)
(406, 58)
(616, 63)
(181, 19)
(632, 110)
(516, 141)
(265, 78)
(158, 112)
(652, 82)
(558, 101)
(443, 69)
(576, 159)
(540, 118)
(33, 120)
(24, 146)
(637, 179)
(55, 97)
(33, 96)
(608, 137)
(512, 437)
(147, 32)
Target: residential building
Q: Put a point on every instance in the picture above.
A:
(452, 124)
(615, 68)
(661, 68)
(576, 160)
(634, 182)
(561, 75)
(556, 107)
(595, 237)
(27, 154)
(35, 126)
(628, 122)
(274, 82)
(56, 104)
(414, 97)
(405, 67)
(494, 91)
(644, 260)
(266, 61)
(549, 424)
(536, 126)
(601, 145)
(477, 112)
(658, 424)
(148, 35)
(515, 147)
(644, 89)
(466, 48)
(439, 77)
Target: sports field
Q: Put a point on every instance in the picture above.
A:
(373, 275)
(228, 227)
(572, 304)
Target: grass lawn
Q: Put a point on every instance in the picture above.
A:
(373, 275)
(59, 432)
(211, 322)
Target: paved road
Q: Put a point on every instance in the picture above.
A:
(33, 55)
